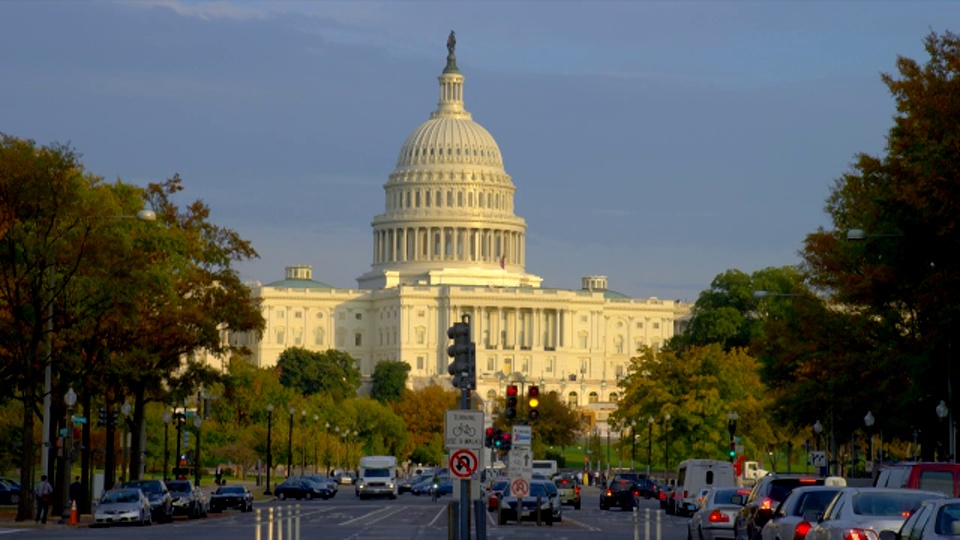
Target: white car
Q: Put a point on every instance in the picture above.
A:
(716, 513)
(864, 512)
(549, 511)
(123, 506)
(800, 511)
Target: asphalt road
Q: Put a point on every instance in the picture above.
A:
(346, 518)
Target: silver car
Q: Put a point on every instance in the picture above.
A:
(937, 519)
(794, 517)
(867, 511)
(549, 510)
(716, 513)
(125, 506)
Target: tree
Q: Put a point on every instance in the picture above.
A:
(558, 424)
(903, 278)
(389, 381)
(332, 372)
(423, 411)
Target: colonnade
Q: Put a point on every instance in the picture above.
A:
(414, 244)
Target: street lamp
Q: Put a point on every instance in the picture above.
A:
(126, 409)
(316, 444)
(196, 460)
(666, 445)
(179, 418)
(290, 442)
(943, 412)
(269, 454)
(869, 420)
(70, 399)
(650, 422)
(303, 445)
(166, 451)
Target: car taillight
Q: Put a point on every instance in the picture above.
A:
(718, 517)
(860, 534)
(609, 493)
(800, 532)
(663, 496)
(766, 504)
(576, 490)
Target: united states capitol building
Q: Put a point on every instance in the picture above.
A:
(448, 244)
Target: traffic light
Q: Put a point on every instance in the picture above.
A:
(733, 451)
(463, 367)
(498, 439)
(488, 440)
(506, 441)
(511, 411)
(533, 403)
(103, 416)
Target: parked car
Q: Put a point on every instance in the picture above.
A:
(794, 517)
(549, 510)
(934, 476)
(568, 489)
(621, 491)
(299, 487)
(714, 517)
(935, 519)
(495, 493)
(160, 500)
(325, 481)
(9, 493)
(346, 478)
(124, 506)
(188, 499)
(231, 496)
(866, 512)
(766, 495)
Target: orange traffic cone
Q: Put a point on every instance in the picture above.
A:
(74, 518)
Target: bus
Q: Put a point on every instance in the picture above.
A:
(546, 467)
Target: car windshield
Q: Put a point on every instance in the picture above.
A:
(146, 487)
(231, 490)
(626, 478)
(376, 473)
(120, 496)
(179, 486)
(725, 496)
(814, 501)
(887, 504)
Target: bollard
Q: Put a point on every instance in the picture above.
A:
(658, 526)
(270, 525)
(646, 524)
(519, 511)
(452, 520)
(538, 511)
(280, 523)
(481, 522)
(636, 523)
(256, 535)
(290, 522)
(296, 536)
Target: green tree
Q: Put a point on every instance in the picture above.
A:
(558, 424)
(423, 411)
(389, 381)
(332, 372)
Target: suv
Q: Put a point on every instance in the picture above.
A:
(568, 489)
(766, 495)
(622, 489)
(161, 503)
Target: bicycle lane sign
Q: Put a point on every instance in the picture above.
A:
(463, 429)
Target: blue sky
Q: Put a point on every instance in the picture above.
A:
(656, 143)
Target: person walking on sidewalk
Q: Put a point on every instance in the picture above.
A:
(43, 491)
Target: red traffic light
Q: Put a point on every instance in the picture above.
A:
(512, 390)
(489, 432)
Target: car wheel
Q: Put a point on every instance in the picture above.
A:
(689, 534)
(548, 519)
(502, 520)
(603, 506)
(576, 505)
(282, 496)
(14, 498)
(309, 496)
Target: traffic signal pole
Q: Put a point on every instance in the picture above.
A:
(463, 370)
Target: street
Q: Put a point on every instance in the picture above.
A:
(346, 517)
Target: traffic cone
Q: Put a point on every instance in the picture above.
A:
(74, 518)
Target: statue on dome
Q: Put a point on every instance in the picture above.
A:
(452, 42)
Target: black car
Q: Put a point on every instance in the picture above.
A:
(161, 502)
(9, 493)
(407, 485)
(623, 488)
(188, 500)
(766, 495)
(231, 497)
(298, 487)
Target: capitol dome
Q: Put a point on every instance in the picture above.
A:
(449, 215)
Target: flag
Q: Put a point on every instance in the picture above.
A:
(503, 261)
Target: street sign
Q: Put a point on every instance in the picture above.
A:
(522, 436)
(79, 420)
(463, 463)
(818, 458)
(520, 464)
(519, 487)
(463, 429)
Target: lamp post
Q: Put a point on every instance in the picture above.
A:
(316, 444)
(666, 445)
(196, 460)
(868, 420)
(125, 410)
(269, 452)
(650, 422)
(326, 446)
(290, 442)
(943, 412)
(179, 418)
(70, 399)
(166, 438)
(817, 430)
(303, 444)
(336, 429)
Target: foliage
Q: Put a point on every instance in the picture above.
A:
(423, 411)
(332, 372)
(389, 381)
(558, 424)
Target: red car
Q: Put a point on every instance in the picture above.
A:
(494, 494)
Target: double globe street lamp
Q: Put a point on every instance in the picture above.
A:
(269, 453)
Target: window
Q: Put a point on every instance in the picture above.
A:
(583, 318)
(421, 335)
(297, 336)
(359, 316)
(613, 397)
(319, 315)
(593, 398)
(318, 336)
(421, 313)
(340, 334)
(582, 340)
(279, 313)
(656, 326)
(549, 368)
(358, 339)
(618, 344)
(619, 370)
(525, 365)
(572, 399)
(508, 365)
(279, 334)
(297, 315)
(639, 325)
(420, 362)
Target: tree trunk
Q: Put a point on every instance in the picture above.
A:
(109, 456)
(25, 508)
(83, 505)
(136, 429)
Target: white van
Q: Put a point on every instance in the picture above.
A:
(694, 475)
(378, 476)
(546, 467)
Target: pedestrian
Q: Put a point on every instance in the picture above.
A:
(76, 491)
(218, 476)
(43, 491)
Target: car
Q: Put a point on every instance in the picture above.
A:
(715, 514)
(794, 517)
(765, 496)
(326, 481)
(935, 519)
(9, 493)
(568, 489)
(188, 499)
(621, 491)
(405, 486)
(696, 475)
(160, 500)
(231, 496)
(123, 506)
(934, 476)
(495, 493)
(299, 487)
(549, 510)
(865, 512)
(346, 478)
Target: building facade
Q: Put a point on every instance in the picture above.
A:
(447, 245)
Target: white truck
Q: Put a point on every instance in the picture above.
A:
(378, 477)
(750, 473)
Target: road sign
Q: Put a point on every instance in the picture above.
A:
(520, 464)
(522, 436)
(78, 420)
(463, 429)
(519, 487)
(818, 458)
(463, 463)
